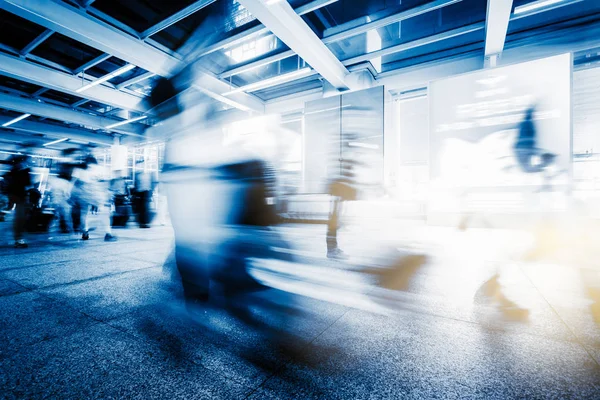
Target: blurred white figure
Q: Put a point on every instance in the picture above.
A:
(92, 190)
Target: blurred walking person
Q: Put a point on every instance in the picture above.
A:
(61, 190)
(18, 185)
(341, 190)
(144, 183)
(91, 190)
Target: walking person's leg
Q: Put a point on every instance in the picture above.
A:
(19, 223)
(104, 222)
(333, 225)
(84, 220)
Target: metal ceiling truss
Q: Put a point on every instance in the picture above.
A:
(173, 19)
(257, 30)
(57, 131)
(36, 42)
(34, 107)
(72, 23)
(49, 78)
(291, 29)
(354, 31)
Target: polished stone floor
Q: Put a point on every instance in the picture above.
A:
(472, 314)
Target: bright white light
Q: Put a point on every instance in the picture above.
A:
(107, 77)
(363, 145)
(55, 142)
(535, 5)
(272, 81)
(252, 49)
(12, 121)
(127, 121)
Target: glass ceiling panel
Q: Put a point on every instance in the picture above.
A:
(287, 65)
(343, 12)
(65, 51)
(215, 22)
(140, 14)
(253, 49)
(451, 17)
(106, 67)
(589, 9)
(297, 86)
(467, 43)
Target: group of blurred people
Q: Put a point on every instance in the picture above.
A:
(80, 188)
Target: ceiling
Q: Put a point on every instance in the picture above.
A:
(52, 52)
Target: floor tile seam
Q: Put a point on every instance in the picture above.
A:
(51, 263)
(134, 258)
(576, 338)
(491, 329)
(16, 283)
(73, 332)
(93, 279)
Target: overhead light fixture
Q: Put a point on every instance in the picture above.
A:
(536, 5)
(55, 142)
(127, 121)
(12, 121)
(267, 83)
(107, 77)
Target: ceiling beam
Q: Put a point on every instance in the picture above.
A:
(14, 140)
(35, 107)
(173, 19)
(36, 42)
(257, 30)
(496, 26)
(57, 132)
(77, 25)
(42, 76)
(288, 26)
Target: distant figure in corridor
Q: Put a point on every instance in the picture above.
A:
(18, 184)
(61, 190)
(526, 146)
(91, 190)
(144, 186)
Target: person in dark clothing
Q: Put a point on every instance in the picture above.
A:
(144, 187)
(19, 182)
(61, 189)
(526, 146)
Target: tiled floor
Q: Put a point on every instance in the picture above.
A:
(105, 320)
